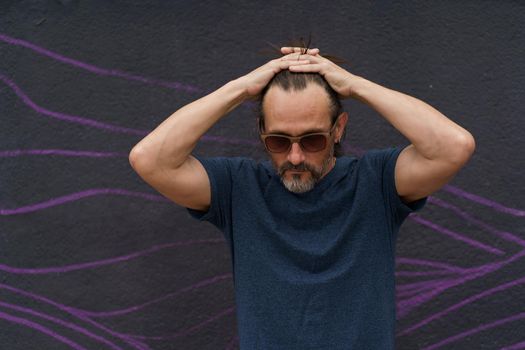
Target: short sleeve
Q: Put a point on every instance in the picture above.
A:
(219, 172)
(395, 205)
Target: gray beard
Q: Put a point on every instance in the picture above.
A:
(295, 184)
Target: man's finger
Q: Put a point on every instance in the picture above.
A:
(288, 64)
(289, 49)
(306, 68)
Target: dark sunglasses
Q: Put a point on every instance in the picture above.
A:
(314, 142)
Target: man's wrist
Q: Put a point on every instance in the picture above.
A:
(358, 87)
(238, 89)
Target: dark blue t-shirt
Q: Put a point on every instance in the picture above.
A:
(312, 270)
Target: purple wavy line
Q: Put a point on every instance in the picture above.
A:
(41, 329)
(59, 152)
(103, 262)
(80, 195)
(435, 264)
(461, 304)
(200, 284)
(517, 346)
(403, 295)
(420, 286)
(60, 322)
(423, 273)
(456, 235)
(406, 306)
(483, 201)
(98, 70)
(469, 218)
(187, 331)
(69, 117)
(410, 286)
(475, 330)
(133, 342)
(106, 126)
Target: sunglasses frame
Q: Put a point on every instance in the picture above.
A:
(297, 139)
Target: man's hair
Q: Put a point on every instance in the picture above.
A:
(293, 81)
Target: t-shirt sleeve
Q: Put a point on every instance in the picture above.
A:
(398, 208)
(219, 172)
(395, 207)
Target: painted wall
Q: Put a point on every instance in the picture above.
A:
(93, 258)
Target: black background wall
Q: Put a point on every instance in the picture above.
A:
(93, 258)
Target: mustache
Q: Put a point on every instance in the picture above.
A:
(298, 167)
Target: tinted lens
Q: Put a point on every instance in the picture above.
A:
(313, 143)
(277, 143)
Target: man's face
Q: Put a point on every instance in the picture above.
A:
(295, 113)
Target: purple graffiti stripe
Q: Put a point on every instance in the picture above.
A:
(106, 126)
(59, 152)
(483, 201)
(422, 273)
(60, 322)
(517, 346)
(103, 262)
(410, 293)
(464, 302)
(132, 342)
(456, 236)
(189, 330)
(41, 329)
(68, 117)
(80, 195)
(400, 296)
(406, 306)
(200, 284)
(434, 264)
(469, 218)
(98, 70)
(476, 330)
(410, 286)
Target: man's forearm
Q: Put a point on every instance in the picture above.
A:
(433, 135)
(169, 145)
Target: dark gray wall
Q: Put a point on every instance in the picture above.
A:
(93, 258)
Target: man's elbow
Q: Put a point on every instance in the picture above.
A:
(139, 159)
(463, 148)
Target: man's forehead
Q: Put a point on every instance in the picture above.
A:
(295, 111)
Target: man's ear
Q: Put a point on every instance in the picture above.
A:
(341, 124)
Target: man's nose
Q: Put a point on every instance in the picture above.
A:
(296, 154)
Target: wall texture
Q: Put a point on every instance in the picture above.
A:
(93, 258)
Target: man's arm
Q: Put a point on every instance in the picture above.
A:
(163, 158)
(439, 146)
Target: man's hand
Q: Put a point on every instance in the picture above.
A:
(339, 79)
(255, 81)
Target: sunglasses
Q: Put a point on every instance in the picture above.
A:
(314, 142)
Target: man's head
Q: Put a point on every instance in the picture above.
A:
(296, 104)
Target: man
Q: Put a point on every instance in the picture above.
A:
(312, 235)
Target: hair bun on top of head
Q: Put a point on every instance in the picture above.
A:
(275, 51)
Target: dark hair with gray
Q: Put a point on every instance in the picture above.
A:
(293, 81)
